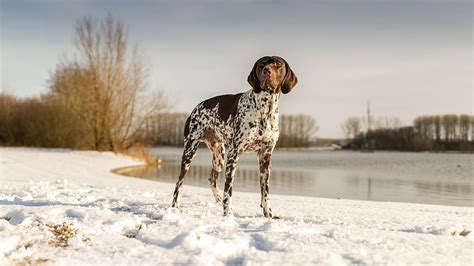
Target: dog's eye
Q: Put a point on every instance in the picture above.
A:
(278, 64)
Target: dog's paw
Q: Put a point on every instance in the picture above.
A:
(228, 212)
(267, 213)
(175, 205)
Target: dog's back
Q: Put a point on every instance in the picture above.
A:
(211, 121)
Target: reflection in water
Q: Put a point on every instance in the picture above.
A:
(330, 183)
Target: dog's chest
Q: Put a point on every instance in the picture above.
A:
(258, 120)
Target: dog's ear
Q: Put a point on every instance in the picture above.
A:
(253, 79)
(290, 80)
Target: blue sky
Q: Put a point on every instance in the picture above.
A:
(408, 57)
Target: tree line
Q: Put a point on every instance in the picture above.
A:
(297, 131)
(428, 132)
(167, 128)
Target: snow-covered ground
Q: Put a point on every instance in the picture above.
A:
(66, 207)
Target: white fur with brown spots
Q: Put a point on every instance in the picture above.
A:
(245, 122)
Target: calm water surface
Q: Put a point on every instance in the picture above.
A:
(433, 178)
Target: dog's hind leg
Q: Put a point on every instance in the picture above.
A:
(190, 147)
(218, 153)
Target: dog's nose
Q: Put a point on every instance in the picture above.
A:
(267, 71)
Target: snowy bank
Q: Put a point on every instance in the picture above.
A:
(66, 207)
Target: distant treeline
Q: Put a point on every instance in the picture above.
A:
(168, 129)
(434, 132)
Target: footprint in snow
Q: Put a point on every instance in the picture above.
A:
(261, 243)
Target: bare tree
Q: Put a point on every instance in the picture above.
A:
(105, 85)
(425, 126)
(297, 130)
(166, 129)
(450, 126)
(445, 125)
(437, 127)
(307, 128)
(352, 127)
(8, 105)
(464, 127)
(386, 122)
(472, 128)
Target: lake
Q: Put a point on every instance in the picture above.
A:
(432, 178)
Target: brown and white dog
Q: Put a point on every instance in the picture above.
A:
(244, 122)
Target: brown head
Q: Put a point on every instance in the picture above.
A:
(272, 74)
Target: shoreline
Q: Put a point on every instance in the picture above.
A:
(342, 149)
(117, 219)
(123, 172)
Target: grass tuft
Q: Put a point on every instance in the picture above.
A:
(143, 153)
(62, 233)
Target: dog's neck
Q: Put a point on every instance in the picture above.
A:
(267, 103)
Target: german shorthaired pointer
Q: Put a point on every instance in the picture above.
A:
(241, 122)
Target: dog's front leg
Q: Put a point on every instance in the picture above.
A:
(264, 159)
(232, 159)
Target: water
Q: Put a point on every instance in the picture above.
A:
(432, 178)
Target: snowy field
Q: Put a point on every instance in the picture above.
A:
(66, 207)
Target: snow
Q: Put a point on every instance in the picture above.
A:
(66, 207)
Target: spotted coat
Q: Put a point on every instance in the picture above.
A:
(244, 122)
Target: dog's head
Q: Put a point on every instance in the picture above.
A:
(272, 74)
